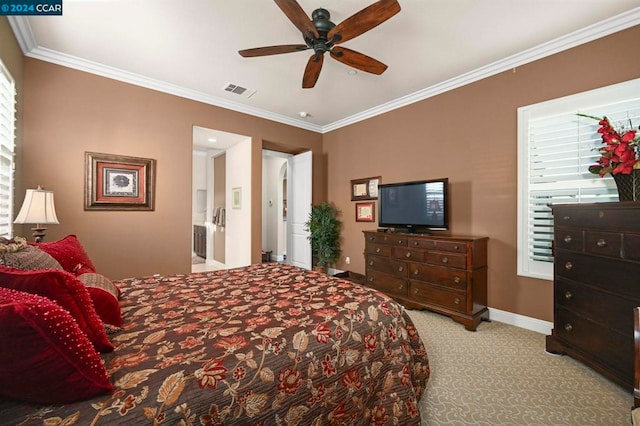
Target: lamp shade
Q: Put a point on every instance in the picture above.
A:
(38, 207)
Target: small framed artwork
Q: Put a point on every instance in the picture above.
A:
(365, 212)
(365, 189)
(236, 197)
(117, 182)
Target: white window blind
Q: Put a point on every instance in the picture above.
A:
(555, 149)
(7, 144)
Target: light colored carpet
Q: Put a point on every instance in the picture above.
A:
(501, 375)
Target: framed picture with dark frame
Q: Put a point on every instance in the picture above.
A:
(118, 182)
(366, 212)
(365, 189)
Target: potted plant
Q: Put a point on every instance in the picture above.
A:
(324, 233)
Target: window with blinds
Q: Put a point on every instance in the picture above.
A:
(555, 149)
(7, 144)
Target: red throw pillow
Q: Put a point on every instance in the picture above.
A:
(69, 253)
(44, 356)
(68, 292)
(104, 295)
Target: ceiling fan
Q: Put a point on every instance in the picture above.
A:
(322, 35)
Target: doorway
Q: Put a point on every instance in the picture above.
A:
(213, 225)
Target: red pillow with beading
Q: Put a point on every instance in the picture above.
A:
(44, 356)
(67, 291)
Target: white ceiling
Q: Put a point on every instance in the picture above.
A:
(190, 48)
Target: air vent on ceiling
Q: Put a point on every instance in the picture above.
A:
(239, 90)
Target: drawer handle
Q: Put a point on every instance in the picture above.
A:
(371, 279)
(568, 266)
(456, 247)
(567, 239)
(568, 327)
(371, 263)
(400, 268)
(400, 287)
(601, 243)
(456, 280)
(568, 295)
(378, 250)
(456, 301)
(601, 214)
(445, 259)
(408, 254)
(416, 272)
(371, 238)
(399, 241)
(415, 243)
(567, 217)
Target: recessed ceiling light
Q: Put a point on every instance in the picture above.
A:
(353, 72)
(304, 114)
(212, 140)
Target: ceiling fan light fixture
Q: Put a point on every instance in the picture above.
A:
(321, 35)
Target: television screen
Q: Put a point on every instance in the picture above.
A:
(414, 205)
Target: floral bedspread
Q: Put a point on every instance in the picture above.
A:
(266, 344)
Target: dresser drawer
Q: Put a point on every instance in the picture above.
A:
(452, 246)
(569, 239)
(606, 216)
(603, 243)
(614, 275)
(387, 238)
(422, 243)
(436, 296)
(604, 308)
(438, 275)
(408, 254)
(380, 249)
(610, 348)
(386, 283)
(389, 266)
(451, 260)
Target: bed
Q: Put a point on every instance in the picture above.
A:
(267, 344)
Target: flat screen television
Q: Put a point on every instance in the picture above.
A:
(418, 206)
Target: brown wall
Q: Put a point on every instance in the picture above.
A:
(68, 112)
(469, 135)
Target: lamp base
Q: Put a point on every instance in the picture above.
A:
(39, 233)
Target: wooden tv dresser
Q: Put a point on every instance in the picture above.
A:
(444, 274)
(597, 286)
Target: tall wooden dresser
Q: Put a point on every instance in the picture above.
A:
(444, 274)
(597, 286)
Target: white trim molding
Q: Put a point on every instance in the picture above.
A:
(528, 323)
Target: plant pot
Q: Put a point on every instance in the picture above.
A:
(628, 186)
(321, 269)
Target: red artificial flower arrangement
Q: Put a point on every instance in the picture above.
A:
(621, 151)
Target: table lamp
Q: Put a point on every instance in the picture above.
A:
(38, 208)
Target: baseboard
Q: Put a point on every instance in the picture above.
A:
(533, 324)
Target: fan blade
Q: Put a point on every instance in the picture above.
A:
(357, 60)
(312, 71)
(272, 50)
(363, 21)
(297, 16)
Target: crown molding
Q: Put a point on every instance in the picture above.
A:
(26, 39)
